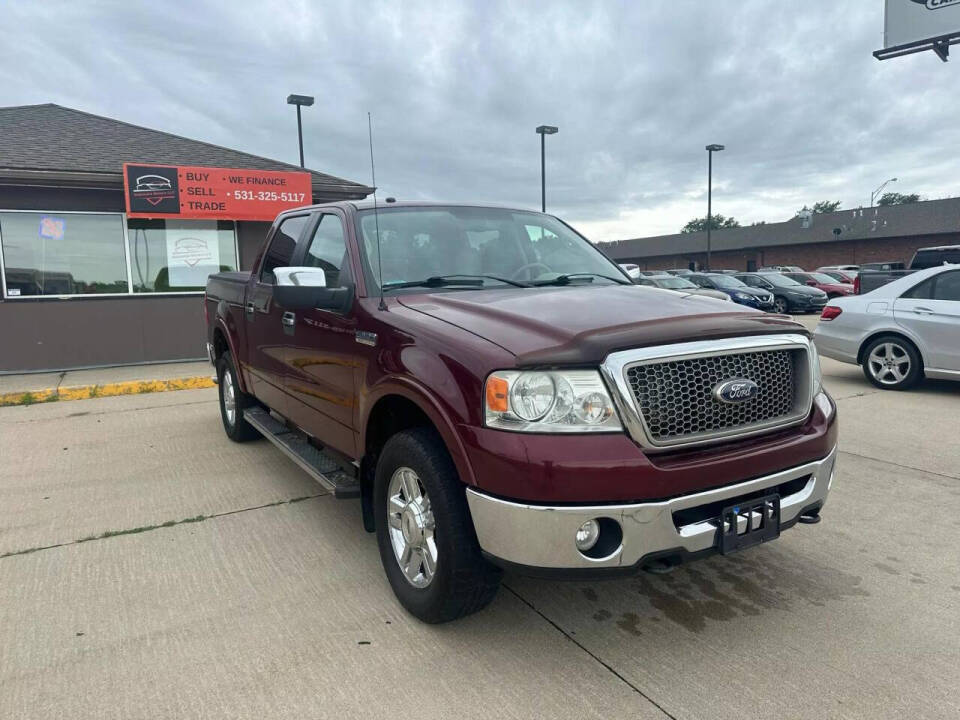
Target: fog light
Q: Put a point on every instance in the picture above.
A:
(587, 535)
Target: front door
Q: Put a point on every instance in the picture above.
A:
(322, 351)
(932, 311)
(266, 336)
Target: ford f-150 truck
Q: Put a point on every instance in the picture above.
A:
(498, 394)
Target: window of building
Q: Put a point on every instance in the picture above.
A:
(282, 245)
(328, 250)
(50, 253)
(179, 255)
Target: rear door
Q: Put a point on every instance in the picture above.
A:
(322, 347)
(266, 339)
(931, 310)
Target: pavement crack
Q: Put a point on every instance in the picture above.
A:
(597, 658)
(169, 523)
(900, 465)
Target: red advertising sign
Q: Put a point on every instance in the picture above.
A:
(170, 191)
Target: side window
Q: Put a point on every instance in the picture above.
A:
(748, 280)
(699, 281)
(922, 291)
(282, 245)
(328, 250)
(948, 286)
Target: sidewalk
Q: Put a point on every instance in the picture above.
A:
(27, 389)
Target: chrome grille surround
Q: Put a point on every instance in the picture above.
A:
(664, 393)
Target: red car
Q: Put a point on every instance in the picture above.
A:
(497, 394)
(821, 281)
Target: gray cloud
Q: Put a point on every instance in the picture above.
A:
(456, 90)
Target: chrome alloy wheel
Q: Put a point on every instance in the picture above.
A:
(889, 363)
(229, 397)
(411, 527)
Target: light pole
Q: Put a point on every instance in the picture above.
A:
(299, 100)
(711, 149)
(877, 191)
(543, 131)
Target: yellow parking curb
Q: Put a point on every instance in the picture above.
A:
(83, 392)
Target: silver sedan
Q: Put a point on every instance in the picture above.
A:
(899, 333)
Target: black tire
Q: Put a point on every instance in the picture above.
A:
(237, 429)
(463, 582)
(900, 353)
(780, 305)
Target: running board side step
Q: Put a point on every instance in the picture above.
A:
(318, 464)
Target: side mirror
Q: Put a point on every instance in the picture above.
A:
(305, 288)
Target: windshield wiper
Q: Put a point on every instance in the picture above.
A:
(589, 276)
(436, 281)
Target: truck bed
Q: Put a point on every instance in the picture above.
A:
(228, 286)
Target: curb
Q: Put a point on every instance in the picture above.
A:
(84, 392)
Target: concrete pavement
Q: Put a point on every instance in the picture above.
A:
(225, 584)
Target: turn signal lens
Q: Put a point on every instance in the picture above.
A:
(497, 388)
(830, 312)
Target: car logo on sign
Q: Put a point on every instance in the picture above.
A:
(735, 391)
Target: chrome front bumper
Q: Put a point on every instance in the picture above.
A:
(541, 536)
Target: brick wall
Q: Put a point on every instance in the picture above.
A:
(809, 256)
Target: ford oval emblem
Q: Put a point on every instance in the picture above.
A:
(737, 390)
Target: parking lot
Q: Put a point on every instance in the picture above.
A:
(151, 568)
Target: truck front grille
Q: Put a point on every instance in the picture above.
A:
(675, 396)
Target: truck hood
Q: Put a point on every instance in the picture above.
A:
(580, 325)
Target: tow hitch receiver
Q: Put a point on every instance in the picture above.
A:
(749, 523)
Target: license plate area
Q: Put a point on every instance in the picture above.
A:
(749, 523)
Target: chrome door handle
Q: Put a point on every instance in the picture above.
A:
(923, 311)
(289, 319)
(250, 308)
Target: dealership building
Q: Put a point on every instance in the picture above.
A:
(845, 237)
(90, 280)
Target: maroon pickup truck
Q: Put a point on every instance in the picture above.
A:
(498, 394)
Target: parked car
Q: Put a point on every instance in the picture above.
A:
(736, 290)
(847, 268)
(788, 294)
(678, 271)
(781, 268)
(680, 284)
(631, 269)
(899, 333)
(843, 276)
(925, 257)
(498, 394)
(822, 281)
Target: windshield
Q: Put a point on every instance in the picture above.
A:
(726, 281)
(674, 283)
(780, 280)
(524, 247)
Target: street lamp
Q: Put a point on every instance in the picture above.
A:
(543, 131)
(299, 100)
(877, 191)
(711, 149)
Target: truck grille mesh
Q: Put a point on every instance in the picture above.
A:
(675, 397)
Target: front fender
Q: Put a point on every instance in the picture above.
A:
(442, 417)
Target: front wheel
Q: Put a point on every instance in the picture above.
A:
(891, 363)
(780, 305)
(427, 543)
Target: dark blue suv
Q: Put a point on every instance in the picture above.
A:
(738, 291)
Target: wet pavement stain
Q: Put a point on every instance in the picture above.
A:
(590, 594)
(601, 615)
(630, 622)
(886, 568)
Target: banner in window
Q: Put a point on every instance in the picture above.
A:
(180, 191)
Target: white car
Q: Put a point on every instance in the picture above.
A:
(899, 333)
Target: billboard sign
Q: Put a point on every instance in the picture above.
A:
(180, 191)
(911, 26)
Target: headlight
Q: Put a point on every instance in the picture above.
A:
(817, 373)
(742, 296)
(549, 401)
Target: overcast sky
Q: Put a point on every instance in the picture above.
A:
(457, 88)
